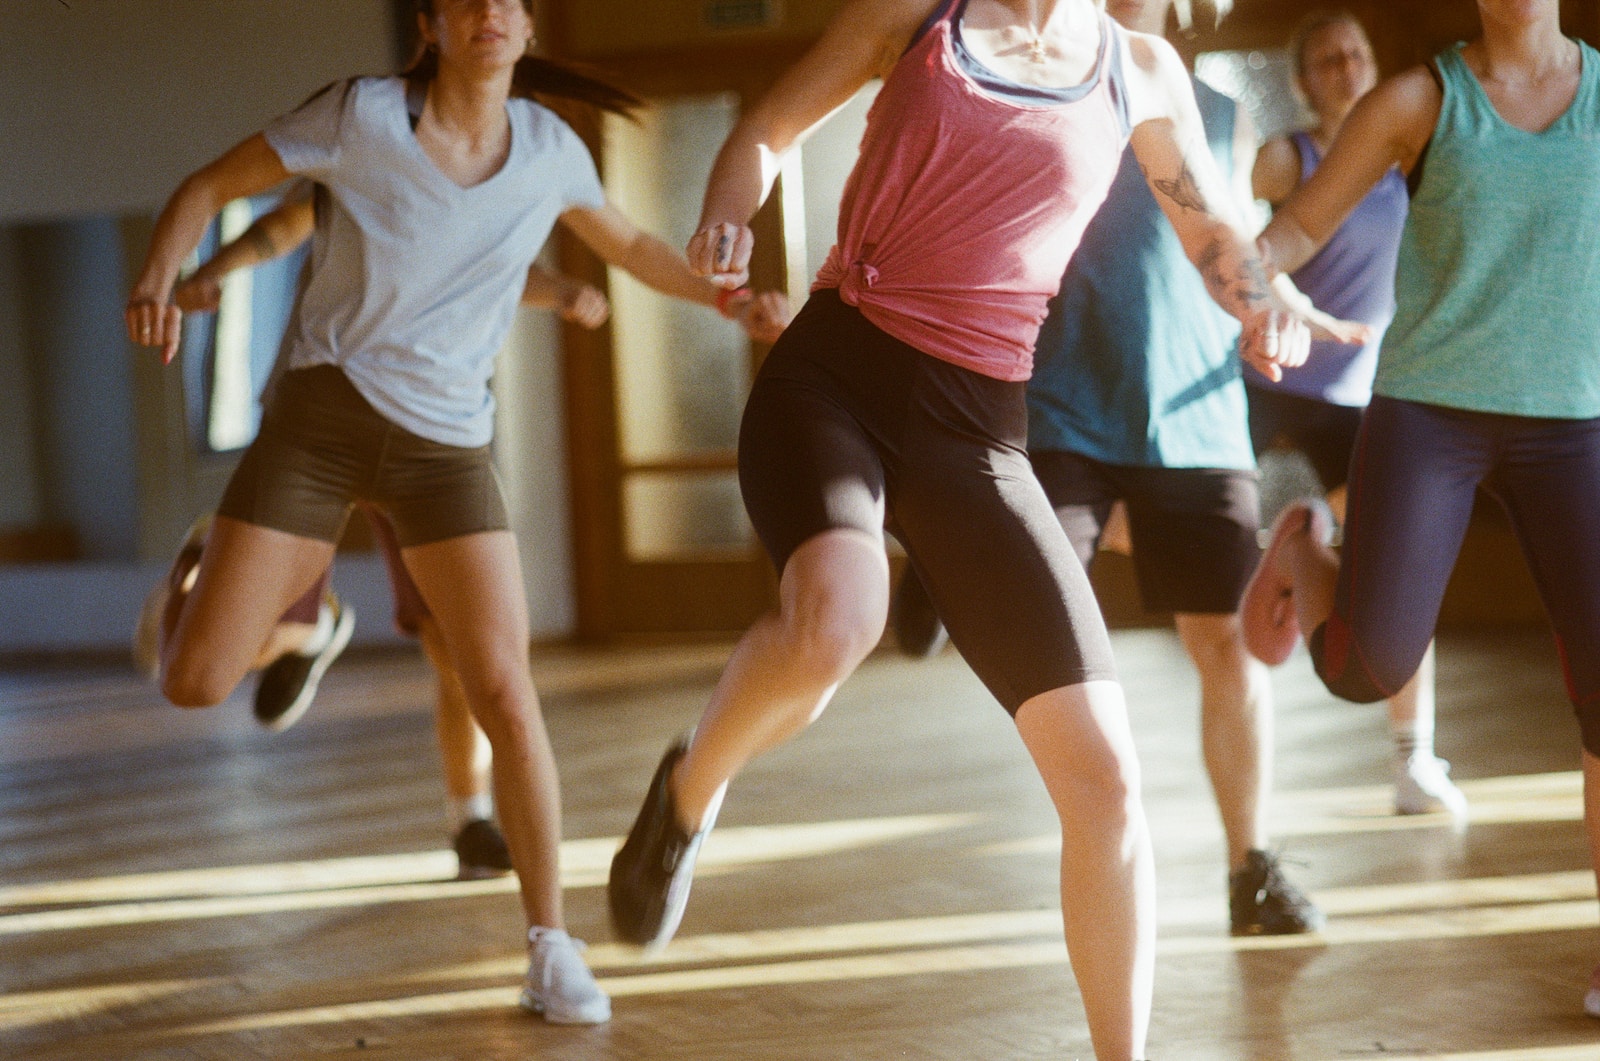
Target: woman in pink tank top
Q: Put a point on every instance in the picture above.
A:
(897, 396)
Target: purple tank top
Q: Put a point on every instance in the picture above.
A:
(1352, 277)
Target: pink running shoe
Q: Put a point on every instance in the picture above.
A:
(1266, 611)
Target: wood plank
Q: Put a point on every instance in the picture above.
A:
(181, 884)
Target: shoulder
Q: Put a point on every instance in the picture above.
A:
(1157, 80)
(1406, 106)
(887, 26)
(546, 126)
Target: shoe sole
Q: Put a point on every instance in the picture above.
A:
(679, 884)
(1266, 610)
(535, 1005)
(342, 631)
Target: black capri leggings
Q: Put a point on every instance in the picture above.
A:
(847, 425)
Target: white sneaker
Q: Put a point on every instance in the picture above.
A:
(1422, 785)
(560, 986)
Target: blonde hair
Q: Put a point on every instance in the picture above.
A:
(1313, 24)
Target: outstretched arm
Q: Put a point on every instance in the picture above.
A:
(576, 301)
(1169, 142)
(1390, 126)
(269, 236)
(248, 169)
(618, 241)
(862, 42)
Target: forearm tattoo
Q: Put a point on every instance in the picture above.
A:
(1184, 190)
(1237, 284)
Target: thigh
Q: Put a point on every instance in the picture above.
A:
(1081, 494)
(248, 577)
(997, 564)
(807, 462)
(317, 442)
(1414, 475)
(409, 608)
(1194, 536)
(432, 491)
(1549, 482)
(472, 585)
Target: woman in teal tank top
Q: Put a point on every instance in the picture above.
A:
(1489, 375)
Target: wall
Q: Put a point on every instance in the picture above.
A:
(109, 104)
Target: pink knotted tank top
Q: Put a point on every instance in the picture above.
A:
(964, 208)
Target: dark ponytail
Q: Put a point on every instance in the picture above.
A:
(535, 77)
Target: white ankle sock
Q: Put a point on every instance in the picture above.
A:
(1412, 739)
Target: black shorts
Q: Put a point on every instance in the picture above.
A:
(1324, 432)
(1193, 529)
(847, 425)
(323, 447)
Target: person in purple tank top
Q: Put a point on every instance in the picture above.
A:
(1317, 407)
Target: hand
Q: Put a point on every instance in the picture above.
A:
(1273, 340)
(585, 306)
(154, 323)
(763, 316)
(198, 294)
(721, 252)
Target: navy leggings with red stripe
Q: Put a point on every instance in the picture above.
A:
(1413, 475)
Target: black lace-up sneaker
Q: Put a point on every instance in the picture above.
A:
(481, 851)
(651, 873)
(289, 684)
(1263, 902)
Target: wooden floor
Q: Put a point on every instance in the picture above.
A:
(180, 885)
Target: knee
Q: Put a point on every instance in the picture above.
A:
(1346, 671)
(190, 686)
(831, 632)
(1216, 644)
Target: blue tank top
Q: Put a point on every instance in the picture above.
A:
(1351, 277)
(1136, 365)
(1499, 274)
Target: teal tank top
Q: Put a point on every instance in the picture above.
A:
(1499, 275)
(1135, 364)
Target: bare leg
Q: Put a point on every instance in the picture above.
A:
(219, 630)
(473, 586)
(1079, 739)
(463, 748)
(833, 601)
(1235, 727)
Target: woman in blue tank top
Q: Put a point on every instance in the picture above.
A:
(1489, 375)
(1316, 408)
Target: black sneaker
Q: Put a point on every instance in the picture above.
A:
(289, 683)
(652, 871)
(481, 851)
(917, 628)
(1262, 902)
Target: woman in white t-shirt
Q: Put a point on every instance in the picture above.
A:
(416, 269)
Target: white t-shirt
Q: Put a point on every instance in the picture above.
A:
(414, 279)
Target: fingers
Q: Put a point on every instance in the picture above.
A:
(151, 323)
(722, 253)
(1349, 333)
(1274, 340)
